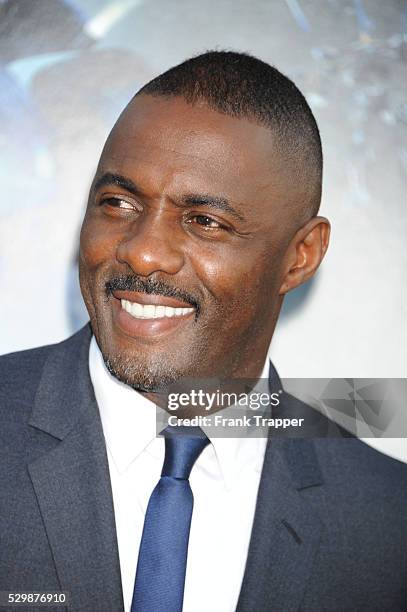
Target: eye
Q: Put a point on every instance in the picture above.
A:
(117, 203)
(206, 222)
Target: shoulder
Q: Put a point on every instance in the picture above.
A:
(356, 475)
(21, 371)
(362, 475)
(342, 456)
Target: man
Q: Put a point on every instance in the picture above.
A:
(201, 217)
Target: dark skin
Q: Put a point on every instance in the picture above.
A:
(203, 203)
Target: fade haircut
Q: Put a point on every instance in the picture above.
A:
(242, 86)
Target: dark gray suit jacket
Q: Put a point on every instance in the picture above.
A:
(330, 528)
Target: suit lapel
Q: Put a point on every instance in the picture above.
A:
(285, 535)
(286, 529)
(72, 481)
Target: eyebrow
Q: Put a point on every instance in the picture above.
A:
(109, 178)
(215, 202)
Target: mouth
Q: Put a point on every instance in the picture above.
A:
(152, 311)
(149, 316)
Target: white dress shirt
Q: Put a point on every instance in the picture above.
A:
(224, 481)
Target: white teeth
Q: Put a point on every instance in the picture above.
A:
(169, 312)
(160, 311)
(135, 309)
(150, 311)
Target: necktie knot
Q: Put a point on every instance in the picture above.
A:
(183, 445)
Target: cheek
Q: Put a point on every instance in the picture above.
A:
(96, 244)
(239, 279)
(96, 251)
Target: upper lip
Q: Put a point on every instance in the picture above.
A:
(151, 298)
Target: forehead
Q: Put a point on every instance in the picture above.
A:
(172, 144)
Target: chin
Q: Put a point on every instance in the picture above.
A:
(141, 377)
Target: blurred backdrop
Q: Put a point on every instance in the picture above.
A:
(68, 67)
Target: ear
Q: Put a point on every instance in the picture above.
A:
(305, 252)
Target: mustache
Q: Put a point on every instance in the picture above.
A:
(151, 287)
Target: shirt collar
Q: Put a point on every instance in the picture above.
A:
(128, 418)
(129, 424)
(235, 454)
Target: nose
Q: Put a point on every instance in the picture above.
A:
(152, 245)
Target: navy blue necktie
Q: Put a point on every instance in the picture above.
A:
(160, 577)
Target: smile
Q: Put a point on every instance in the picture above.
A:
(153, 311)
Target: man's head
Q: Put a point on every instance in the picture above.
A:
(201, 216)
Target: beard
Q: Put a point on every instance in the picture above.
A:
(148, 375)
(203, 355)
(149, 378)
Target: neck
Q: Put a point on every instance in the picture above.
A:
(189, 396)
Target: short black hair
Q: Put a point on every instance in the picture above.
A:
(244, 86)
